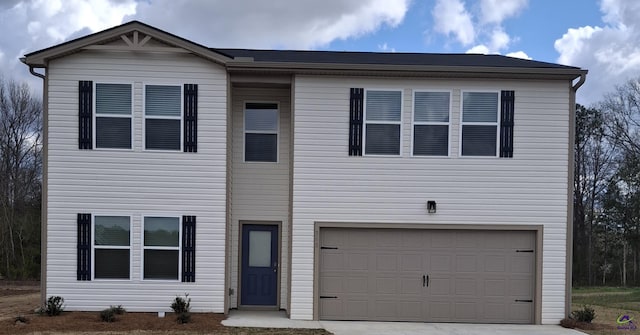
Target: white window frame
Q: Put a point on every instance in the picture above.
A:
(245, 131)
(94, 247)
(422, 123)
(145, 117)
(496, 124)
(365, 122)
(95, 115)
(178, 248)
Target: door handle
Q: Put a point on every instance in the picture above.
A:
(427, 280)
(275, 266)
(423, 280)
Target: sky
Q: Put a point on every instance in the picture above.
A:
(600, 36)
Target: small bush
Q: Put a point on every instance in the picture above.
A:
(586, 314)
(569, 323)
(21, 319)
(53, 307)
(182, 308)
(109, 314)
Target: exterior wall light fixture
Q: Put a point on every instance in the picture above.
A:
(431, 206)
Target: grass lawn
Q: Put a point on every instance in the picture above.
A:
(609, 303)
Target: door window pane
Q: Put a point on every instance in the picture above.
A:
(259, 248)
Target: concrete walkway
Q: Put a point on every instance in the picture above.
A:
(273, 319)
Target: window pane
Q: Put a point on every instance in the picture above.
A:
(259, 248)
(113, 99)
(431, 140)
(161, 264)
(112, 263)
(261, 119)
(383, 105)
(261, 147)
(161, 231)
(162, 100)
(162, 134)
(382, 139)
(112, 230)
(431, 107)
(478, 140)
(113, 132)
(480, 107)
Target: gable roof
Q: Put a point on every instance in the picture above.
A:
(292, 61)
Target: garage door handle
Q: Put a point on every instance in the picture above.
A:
(425, 281)
(524, 300)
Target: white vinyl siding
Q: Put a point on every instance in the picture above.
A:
(113, 118)
(530, 189)
(260, 191)
(431, 117)
(382, 122)
(136, 181)
(479, 126)
(163, 117)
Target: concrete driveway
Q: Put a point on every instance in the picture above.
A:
(279, 319)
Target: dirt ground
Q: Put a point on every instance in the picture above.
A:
(21, 299)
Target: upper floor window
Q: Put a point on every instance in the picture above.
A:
(383, 118)
(431, 123)
(261, 132)
(163, 117)
(113, 116)
(112, 247)
(479, 123)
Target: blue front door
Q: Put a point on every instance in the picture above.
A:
(259, 282)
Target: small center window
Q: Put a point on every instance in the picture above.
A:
(431, 123)
(383, 118)
(163, 117)
(261, 132)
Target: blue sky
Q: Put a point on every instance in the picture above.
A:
(602, 36)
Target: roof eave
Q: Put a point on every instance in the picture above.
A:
(407, 70)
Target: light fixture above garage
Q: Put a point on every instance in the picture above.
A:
(431, 206)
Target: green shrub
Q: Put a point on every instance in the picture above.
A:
(54, 306)
(109, 314)
(586, 314)
(182, 308)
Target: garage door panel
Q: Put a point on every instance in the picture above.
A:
(474, 276)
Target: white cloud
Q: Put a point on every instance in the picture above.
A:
(611, 53)
(481, 26)
(386, 48)
(496, 11)
(451, 17)
(519, 54)
(272, 24)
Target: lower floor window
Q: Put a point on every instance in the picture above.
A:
(112, 247)
(161, 248)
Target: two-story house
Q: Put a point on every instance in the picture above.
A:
(332, 185)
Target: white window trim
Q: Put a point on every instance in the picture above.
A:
(95, 115)
(365, 122)
(144, 117)
(94, 247)
(178, 248)
(245, 131)
(497, 123)
(422, 123)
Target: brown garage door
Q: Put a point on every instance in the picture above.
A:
(427, 275)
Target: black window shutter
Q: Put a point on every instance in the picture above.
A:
(506, 123)
(190, 117)
(188, 248)
(84, 246)
(85, 117)
(355, 121)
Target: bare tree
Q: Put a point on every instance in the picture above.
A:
(20, 179)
